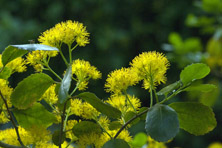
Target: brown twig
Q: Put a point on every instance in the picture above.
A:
(12, 120)
(128, 122)
(62, 124)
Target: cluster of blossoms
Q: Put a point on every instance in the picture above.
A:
(65, 32)
(149, 66)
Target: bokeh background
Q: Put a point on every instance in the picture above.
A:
(187, 31)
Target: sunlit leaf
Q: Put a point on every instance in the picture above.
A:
(30, 90)
(201, 87)
(166, 90)
(100, 105)
(35, 116)
(194, 117)
(193, 72)
(65, 85)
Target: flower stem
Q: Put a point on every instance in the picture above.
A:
(63, 57)
(157, 100)
(62, 125)
(12, 120)
(151, 97)
(129, 101)
(104, 130)
(129, 121)
(52, 71)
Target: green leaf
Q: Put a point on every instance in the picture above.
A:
(139, 140)
(201, 87)
(5, 73)
(10, 53)
(162, 123)
(193, 72)
(56, 136)
(65, 85)
(194, 117)
(130, 115)
(33, 47)
(86, 127)
(143, 117)
(100, 105)
(36, 116)
(30, 90)
(166, 90)
(115, 125)
(116, 143)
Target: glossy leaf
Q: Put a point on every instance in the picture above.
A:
(86, 127)
(100, 105)
(10, 53)
(30, 90)
(194, 117)
(33, 47)
(5, 73)
(36, 116)
(139, 140)
(194, 72)
(116, 143)
(201, 87)
(166, 90)
(162, 123)
(65, 85)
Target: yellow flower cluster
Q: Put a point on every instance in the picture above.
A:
(120, 103)
(6, 92)
(83, 71)
(151, 67)
(16, 65)
(65, 32)
(119, 80)
(36, 58)
(154, 144)
(215, 145)
(83, 109)
(40, 137)
(50, 95)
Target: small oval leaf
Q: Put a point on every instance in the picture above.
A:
(100, 105)
(194, 117)
(193, 72)
(33, 47)
(166, 90)
(5, 73)
(201, 87)
(36, 115)
(10, 53)
(116, 143)
(162, 123)
(56, 136)
(139, 140)
(65, 85)
(30, 90)
(86, 127)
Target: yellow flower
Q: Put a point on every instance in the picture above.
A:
(65, 32)
(36, 58)
(154, 144)
(151, 67)
(69, 126)
(104, 122)
(83, 71)
(6, 92)
(215, 145)
(76, 107)
(88, 111)
(120, 103)
(91, 139)
(119, 80)
(16, 65)
(50, 95)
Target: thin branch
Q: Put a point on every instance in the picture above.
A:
(2, 144)
(128, 122)
(62, 125)
(12, 120)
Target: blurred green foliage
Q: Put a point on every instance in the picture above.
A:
(120, 30)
